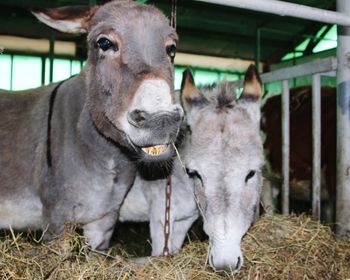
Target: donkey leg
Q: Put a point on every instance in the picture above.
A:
(267, 196)
(179, 232)
(157, 234)
(54, 218)
(99, 232)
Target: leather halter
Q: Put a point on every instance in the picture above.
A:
(49, 121)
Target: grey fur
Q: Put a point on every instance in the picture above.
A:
(93, 146)
(222, 145)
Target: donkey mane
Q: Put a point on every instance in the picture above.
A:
(222, 94)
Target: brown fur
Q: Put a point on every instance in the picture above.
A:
(301, 136)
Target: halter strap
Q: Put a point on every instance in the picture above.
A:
(49, 126)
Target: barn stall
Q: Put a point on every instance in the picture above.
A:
(217, 39)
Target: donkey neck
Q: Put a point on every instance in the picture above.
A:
(94, 141)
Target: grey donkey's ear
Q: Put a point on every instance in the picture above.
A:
(252, 87)
(70, 19)
(190, 94)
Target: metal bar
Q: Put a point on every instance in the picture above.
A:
(329, 74)
(258, 49)
(318, 66)
(43, 68)
(289, 33)
(343, 126)
(285, 147)
(70, 67)
(282, 8)
(269, 77)
(11, 73)
(51, 55)
(316, 146)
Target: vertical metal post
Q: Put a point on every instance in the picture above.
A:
(343, 125)
(258, 49)
(11, 73)
(316, 146)
(70, 67)
(43, 70)
(51, 54)
(285, 147)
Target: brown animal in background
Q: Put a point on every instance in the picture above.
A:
(301, 143)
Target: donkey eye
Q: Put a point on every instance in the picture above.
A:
(105, 44)
(171, 50)
(194, 174)
(249, 175)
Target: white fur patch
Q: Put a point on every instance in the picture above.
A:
(152, 96)
(226, 256)
(135, 206)
(21, 213)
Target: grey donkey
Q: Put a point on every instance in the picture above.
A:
(222, 151)
(69, 151)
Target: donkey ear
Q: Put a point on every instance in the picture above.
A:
(190, 94)
(252, 87)
(70, 19)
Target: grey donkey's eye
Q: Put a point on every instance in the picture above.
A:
(194, 174)
(249, 175)
(105, 44)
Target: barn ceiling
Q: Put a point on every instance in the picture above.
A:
(203, 28)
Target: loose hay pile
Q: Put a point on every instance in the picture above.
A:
(277, 247)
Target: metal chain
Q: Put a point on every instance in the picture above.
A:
(167, 216)
(168, 179)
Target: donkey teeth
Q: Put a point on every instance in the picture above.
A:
(155, 150)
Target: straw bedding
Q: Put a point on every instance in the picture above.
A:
(276, 247)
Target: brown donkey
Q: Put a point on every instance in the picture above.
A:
(69, 151)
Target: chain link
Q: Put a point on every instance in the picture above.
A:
(167, 216)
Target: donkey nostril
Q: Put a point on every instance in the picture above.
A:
(238, 263)
(138, 116)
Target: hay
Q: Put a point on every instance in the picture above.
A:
(276, 247)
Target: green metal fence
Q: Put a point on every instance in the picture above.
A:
(19, 72)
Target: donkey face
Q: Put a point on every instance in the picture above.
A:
(128, 75)
(225, 151)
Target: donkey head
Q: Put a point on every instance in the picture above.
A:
(128, 75)
(225, 152)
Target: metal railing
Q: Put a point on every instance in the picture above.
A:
(342, 18)
(318, 68)
(282, 8)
